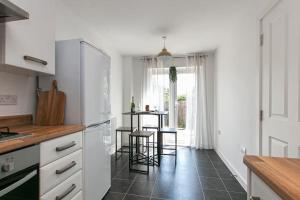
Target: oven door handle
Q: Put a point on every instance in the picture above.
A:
(18, 183)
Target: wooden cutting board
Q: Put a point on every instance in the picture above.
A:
(50, 107)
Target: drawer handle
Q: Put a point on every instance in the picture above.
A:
(66, 193)
(66, 168)
(254, 198)
(33, 59)
(67, 146)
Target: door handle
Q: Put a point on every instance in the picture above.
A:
(65, 147)
(66, 168)
(66, 193)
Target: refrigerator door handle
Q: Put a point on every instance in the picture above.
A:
(106, 122)
(94, 125)
(98, 124)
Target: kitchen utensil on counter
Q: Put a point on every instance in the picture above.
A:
(50, 107)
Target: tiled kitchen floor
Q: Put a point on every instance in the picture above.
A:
(198, 175)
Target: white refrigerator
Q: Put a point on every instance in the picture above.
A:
(83, 73)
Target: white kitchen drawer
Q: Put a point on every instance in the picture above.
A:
(57, 148)
(78, 196)
(55, 173)
(261, 190)
(66, 190)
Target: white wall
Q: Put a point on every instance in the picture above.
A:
(21, 85)
(237, 90)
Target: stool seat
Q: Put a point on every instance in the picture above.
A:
(168, 130)
(149, 126)
(125, 129)
(142, 134)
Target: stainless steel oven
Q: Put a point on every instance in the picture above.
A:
(19, 174)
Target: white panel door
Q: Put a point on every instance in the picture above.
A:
(280, 80)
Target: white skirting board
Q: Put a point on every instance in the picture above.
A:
(240, 179)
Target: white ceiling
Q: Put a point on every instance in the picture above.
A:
(135, 27)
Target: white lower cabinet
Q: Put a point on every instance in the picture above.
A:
(67, 189)
(62, 177)
(259, 190)
(78, 196)
(60, 147)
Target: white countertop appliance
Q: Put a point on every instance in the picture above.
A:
(83, 73)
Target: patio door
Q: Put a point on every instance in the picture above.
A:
(178, 98)
(179, 102)
(184, 112)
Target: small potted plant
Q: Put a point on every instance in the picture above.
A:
(173, 74)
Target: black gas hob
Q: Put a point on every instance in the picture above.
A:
(7, 135)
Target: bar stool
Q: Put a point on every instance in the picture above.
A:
(122, 129)
(151, 127)
(169, 131)
(139, 157)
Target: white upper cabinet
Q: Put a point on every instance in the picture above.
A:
(34, 37)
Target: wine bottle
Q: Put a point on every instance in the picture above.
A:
(132, 105)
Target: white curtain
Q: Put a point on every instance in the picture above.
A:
(199, 96)
(200, 104)
(155, 80)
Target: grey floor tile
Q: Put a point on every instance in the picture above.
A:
(121, 186)
(114, 196)
(204, 164)
(208, 172)
(238, 196)
(135, 197)
(216, 195)
(125, 174)
(225, 174)
(177, 182)
(141, 188)
(220, 165)
(212, 183)
(233, 185)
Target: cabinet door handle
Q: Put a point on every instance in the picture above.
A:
(30, 58)
(254, 198)
(66, 193)
(66, 168)
(65, 147)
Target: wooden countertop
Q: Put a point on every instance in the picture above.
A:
(38, 134)
(282, 175)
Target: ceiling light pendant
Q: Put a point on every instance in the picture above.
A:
(165, 57)
(164, 52)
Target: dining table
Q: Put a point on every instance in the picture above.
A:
(160, 118)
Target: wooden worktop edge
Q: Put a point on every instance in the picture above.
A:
(284, 191)
(16, 120)
(52, 132)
